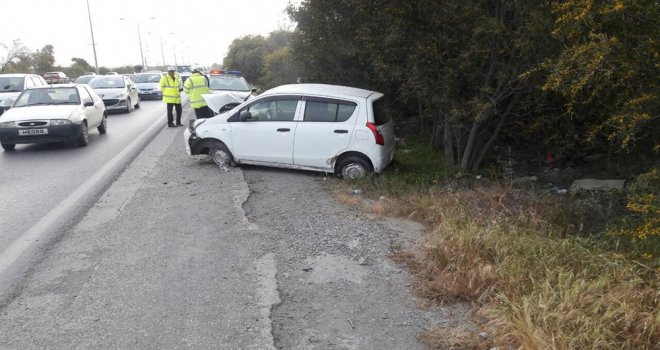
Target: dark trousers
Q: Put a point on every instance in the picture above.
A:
(203, 112)
(170, 116)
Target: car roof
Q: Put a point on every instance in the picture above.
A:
(12, 75)
(320, 89)
(57, 86)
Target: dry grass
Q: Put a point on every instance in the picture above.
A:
(538, 281)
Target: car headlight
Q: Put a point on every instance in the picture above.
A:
(58, 122)
(8, 125)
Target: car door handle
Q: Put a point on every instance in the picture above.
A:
(341, 131)
(283, 129)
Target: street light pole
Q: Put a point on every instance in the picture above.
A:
(144, 64)
(96, 62)
(162, 53)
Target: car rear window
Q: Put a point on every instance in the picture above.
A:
(328, 111)
(380, 112)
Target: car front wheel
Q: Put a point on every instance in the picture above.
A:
(8, 146)
(103, 128)
(129, 105)
(353, 167)
(83, 139)
(221, 155)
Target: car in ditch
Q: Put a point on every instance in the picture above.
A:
(63, 113)
(326, 128)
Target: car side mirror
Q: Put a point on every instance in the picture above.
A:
(254, 89)
(89, 104)
(245, 115)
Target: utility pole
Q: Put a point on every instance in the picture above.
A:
(144, 63)
(96, 62)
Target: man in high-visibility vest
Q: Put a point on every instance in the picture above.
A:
(170, 84)
(195, 86)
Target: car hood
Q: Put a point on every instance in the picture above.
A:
(148, 85)
(6, 95)
(38, 113)
(218, 100)
(110, 93)
(242, 94)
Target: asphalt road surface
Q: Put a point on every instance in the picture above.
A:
(180, 254)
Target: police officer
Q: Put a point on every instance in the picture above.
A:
(170, 84)
(196, 85)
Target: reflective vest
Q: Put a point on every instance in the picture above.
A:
(195, 86)
(170, 88)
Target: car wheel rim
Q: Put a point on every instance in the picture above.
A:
(220, 157)
(354, 171)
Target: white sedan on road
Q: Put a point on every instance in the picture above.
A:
(327, 128)
(53, 114)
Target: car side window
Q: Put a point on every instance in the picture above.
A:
(328, 110)
(85, 96)
(273, 110)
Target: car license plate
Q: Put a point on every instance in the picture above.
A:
(32, 132)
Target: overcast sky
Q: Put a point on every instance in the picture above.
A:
(196, 32)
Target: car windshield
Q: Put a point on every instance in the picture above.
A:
(147, 78)
(217, 82)
(11, 84)
(108, 82)
(48, 96)
(183, 69)
(84, 79)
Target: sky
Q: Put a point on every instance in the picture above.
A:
(196, 32)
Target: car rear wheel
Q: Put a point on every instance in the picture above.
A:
(129, 105)
(103, 128)
(221, 155)
(353, 167)
(83, 139)
(8, 146)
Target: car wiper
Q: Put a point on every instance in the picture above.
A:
(40, 104)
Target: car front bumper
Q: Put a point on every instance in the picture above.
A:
(114, 104)
(60, 133)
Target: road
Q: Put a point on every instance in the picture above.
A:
(46, 187)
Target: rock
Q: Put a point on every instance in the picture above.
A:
(594, 185)
(362, 261)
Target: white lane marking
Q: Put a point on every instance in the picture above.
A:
(21, 244)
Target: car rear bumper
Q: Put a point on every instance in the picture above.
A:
(61, 133)
(151, 95)
(381, 157)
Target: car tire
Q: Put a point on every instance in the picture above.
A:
(103, 128)
(129, 105)
(137, 105)
(221, 155)
(83, 139)
(8, 146)
(353, 167)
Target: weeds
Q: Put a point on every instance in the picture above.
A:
(540, 276)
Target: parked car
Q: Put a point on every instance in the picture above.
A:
(223, 80)
(327, 128)
(89, 73)
(56, 78)
(117, 92)
(11, 85)
(53, 114)
(111, 73)
(148, 86)
(84, 79)
(184, 71)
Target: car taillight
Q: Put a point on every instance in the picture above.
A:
(379, 137)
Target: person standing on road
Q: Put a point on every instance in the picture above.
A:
(170, 84)
(195, 86)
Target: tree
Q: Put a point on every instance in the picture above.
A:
(78, 67)
(44, 59)
(13, 53)
(608, 73)
(279, 68)
(246, 54)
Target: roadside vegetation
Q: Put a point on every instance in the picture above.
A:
(543, 271)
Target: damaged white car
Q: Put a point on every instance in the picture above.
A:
(326, 128)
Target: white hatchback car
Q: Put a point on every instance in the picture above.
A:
(327, 128)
